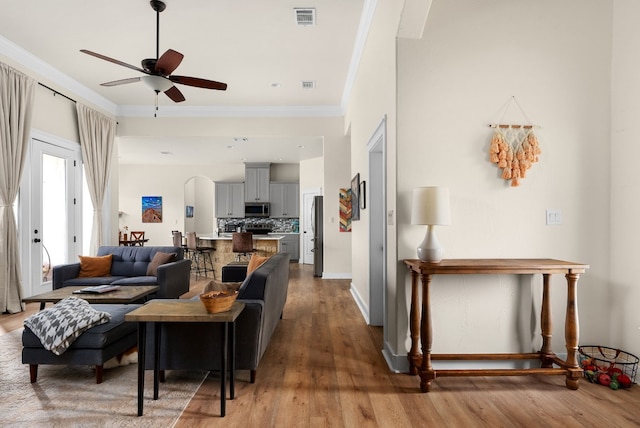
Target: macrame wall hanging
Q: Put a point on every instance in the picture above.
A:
(514, 148)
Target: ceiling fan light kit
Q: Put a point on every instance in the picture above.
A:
(157, 83)
(158, 70)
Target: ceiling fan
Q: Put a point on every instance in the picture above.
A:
(158, 70)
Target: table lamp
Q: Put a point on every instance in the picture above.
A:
(430, 207)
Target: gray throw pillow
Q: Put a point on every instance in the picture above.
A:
(159, 258)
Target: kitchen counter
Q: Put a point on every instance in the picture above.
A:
(264, 245)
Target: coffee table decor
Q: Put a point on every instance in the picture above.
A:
(218, 300)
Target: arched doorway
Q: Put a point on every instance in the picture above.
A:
(199, 195)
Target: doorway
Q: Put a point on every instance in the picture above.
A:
(307, 225)
(50, 210)
(377, 227)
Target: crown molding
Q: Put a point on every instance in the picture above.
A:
(217, 111)
(40, 68)
(366, 19)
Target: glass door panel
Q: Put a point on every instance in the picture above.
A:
(51, 222)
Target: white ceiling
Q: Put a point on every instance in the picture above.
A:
(250, 45)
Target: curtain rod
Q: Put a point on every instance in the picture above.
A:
(57, 93)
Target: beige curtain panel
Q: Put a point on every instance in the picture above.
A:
(16, 105)
(97, 136)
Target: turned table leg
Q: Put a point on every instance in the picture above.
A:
(574, 372)
(427, 373)
(545, 322)
(414, 326)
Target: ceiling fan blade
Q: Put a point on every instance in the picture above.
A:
(115, 61)
(169, 61)
(121, 81)
(175, 94)
(198, 83)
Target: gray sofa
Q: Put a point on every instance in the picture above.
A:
(195, 346)
(129, 267)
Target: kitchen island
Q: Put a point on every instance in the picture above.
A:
(265, 245)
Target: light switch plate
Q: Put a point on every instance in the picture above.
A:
(553, 217)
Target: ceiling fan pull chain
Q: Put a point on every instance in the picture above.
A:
(155, 112)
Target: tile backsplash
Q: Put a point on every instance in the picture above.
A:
(281, 225)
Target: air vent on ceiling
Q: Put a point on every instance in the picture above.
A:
(308, 84)
(305, 16)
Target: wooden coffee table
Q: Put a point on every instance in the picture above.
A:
(125, 294)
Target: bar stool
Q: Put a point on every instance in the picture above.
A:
(179, 242)
(200, 256)
(242, 244)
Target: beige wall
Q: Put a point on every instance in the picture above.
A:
(623, 292)
(453, 82)
(374, 97)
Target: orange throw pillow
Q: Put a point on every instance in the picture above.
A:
(95, 266)
(255, 262)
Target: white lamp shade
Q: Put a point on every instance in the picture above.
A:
(431, 206)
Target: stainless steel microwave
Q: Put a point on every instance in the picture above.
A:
(256, 209)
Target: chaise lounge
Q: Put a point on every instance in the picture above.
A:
(129, 266)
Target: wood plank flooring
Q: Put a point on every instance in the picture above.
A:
(324, 368)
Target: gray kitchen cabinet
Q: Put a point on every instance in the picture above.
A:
(229, 200)
(291, 244)
(285, 200)
(256, 182)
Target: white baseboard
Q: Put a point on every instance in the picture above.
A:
(335, 275)
(364, 310)
(397, 363)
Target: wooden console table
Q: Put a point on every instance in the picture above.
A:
(422, 332)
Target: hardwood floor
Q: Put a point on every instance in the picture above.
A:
(324, 368)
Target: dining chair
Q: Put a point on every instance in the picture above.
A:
(137, 238)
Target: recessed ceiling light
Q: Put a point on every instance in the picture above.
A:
(275, 85)
(243, 159)
(166, 153)
(301, 146)
(229, 147)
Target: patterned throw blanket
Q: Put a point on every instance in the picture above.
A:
(57, 327)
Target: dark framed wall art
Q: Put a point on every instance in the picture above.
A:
(355, 197)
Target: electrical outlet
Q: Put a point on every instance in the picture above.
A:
(554, 217)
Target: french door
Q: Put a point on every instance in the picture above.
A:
(50, 210)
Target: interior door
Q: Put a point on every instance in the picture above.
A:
(50, 211)
(307, 226)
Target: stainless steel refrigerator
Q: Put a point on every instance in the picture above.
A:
(316, 222)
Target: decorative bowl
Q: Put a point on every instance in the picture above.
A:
(218, 301)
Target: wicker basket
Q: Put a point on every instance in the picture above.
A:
(605, 358)
(218, 301)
